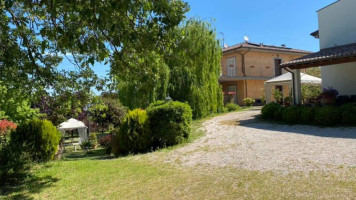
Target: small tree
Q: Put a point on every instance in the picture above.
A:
(277, 95)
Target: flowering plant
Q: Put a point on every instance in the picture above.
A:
(6, 126)
(329, 92)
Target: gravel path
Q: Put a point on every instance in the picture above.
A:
(239, 140)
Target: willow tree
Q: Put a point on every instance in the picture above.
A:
(194, 62)
(144, 82)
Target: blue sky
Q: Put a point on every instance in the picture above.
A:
(273, 22)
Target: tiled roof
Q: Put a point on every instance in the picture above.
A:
(264, 47)
(326, 56)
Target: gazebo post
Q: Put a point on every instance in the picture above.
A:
(297, 87)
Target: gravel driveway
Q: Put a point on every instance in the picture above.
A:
(240, 140)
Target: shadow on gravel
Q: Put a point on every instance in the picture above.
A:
(332, 132)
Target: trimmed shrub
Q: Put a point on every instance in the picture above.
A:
(40, 137)
(327, 116)
(248, 101)
(348, 114)
(134, 135)
(291, 114)
(170, 122)
(307, 115)
(270, 110)
(278, 115)
(232, 107)
(105, 142)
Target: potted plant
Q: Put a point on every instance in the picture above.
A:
(328, 96)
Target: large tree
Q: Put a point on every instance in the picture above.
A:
(194, 61)
(35, 35)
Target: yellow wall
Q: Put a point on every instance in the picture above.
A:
(258, 65)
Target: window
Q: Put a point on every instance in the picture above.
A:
(277, 67)
(231, 67)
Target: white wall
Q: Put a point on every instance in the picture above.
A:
(341, 77)
(337, 24)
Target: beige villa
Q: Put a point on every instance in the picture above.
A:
(246, 66)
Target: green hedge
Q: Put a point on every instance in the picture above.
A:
(40, 137)
(170, 122)
(232, 107)
(307, 115)
(327, 116)
(291, 115)
(248, 101)
(270, 110)
(348, 113)
(324, 116)
(134, 135)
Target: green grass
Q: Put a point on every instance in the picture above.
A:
(93, 176)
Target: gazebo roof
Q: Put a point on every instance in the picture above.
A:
(71, 124)
(287, 77)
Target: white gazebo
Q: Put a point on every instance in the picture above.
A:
(73, 124)
(286, 79)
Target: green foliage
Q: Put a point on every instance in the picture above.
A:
(134, 135)
(232, 107)
(327, 116)
(249, 101)
(310, 91)
(40, 137)
(14, 163)
(277, 95)
(291, 114)
(307, 115)
(348, 114)
(15, 107)
(170, 122)
(105, 142)
(195, 65)
(93, 139)
(108, 113)
(314, 71)
(269, 111)
(145, 82)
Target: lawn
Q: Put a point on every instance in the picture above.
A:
(81, 176)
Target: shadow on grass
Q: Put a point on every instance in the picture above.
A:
(24, 188)
(332, 132)
(96, 154)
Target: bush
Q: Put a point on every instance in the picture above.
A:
(327, 116)
(248, 101)
(232, 107)
(105, 142)
(40, 137)
(278, 115)
(291, 114)
(307, 115)
(348, 114)
(14, 163)
(134, 135)
(269, 111)
(93, 139)
(170, 122)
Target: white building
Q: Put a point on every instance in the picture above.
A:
(337, 55)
